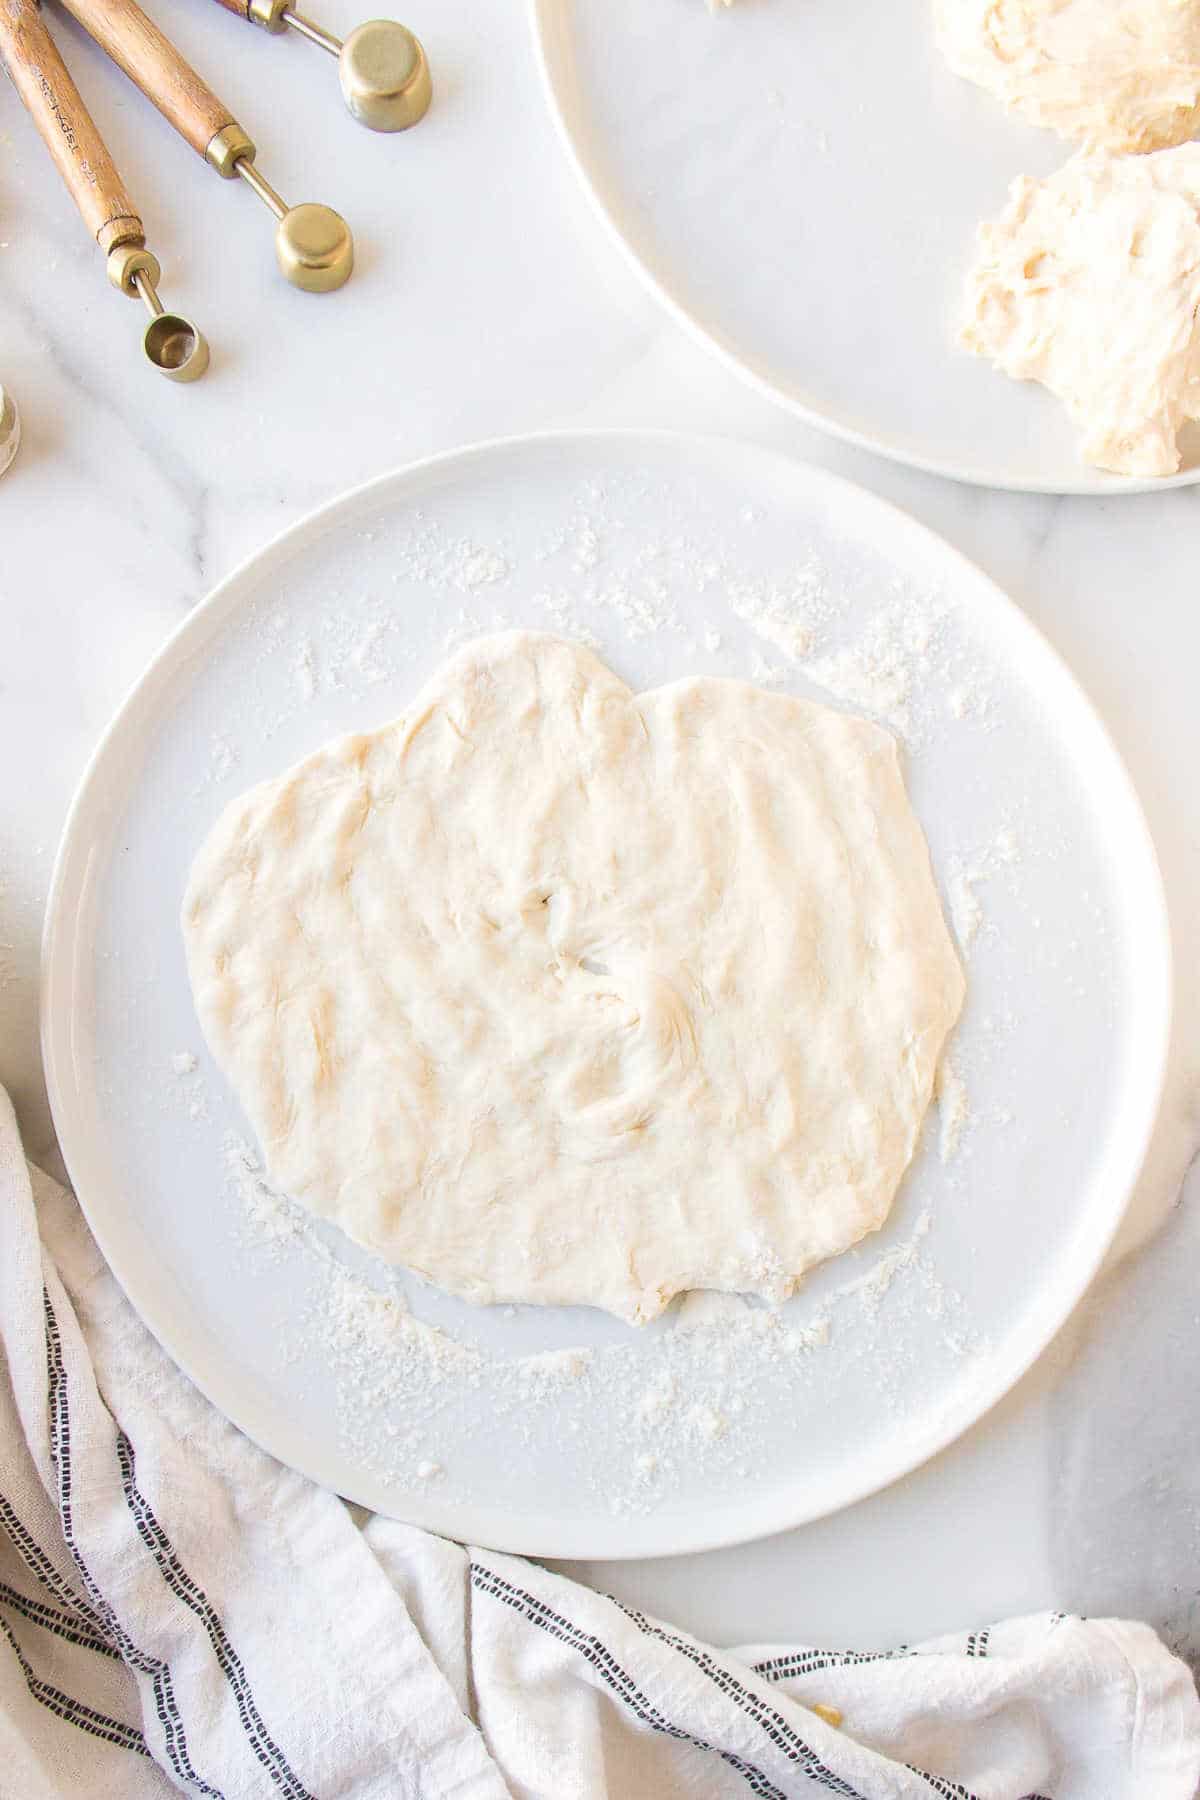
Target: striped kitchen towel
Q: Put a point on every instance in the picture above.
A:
(181, 1613)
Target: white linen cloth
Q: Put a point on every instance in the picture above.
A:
(180, 1612)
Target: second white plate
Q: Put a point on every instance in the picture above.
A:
(801, 185)
(559, 1431)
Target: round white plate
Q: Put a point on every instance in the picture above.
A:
(674, 555)
(800, 185)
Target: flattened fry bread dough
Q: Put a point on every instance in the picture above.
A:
(558, 993)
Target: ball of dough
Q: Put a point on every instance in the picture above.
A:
(1089, 282)
(554, 992)
(1109, 74)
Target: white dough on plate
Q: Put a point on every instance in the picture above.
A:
(1089, 282)
(1108, 74)
(558, 993)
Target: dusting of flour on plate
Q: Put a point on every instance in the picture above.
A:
(690, 1393)
(695, 1395)
(953, 1108)
(965, 875)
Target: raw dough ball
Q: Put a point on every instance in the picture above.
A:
(1110, 74)
(1089, 282)
(558, 993)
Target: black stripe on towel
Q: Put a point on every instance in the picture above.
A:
(40, 1565)
(621, 1683)
(63, 1625)
(76, 1712)
(153, 1667)
(196, 1600)
(777, 1728)
(946, 1790)
(812, 1662)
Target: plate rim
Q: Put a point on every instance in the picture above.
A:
(1101, 485)
(783, 1508)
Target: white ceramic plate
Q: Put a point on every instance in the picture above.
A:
(800, 185)
(675, 555)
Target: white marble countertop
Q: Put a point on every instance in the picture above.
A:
(486, 302)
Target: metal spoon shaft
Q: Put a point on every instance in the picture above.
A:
(261, 187)
(312, 32)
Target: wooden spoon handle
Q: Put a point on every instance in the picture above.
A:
(152, 62)
(41, 78)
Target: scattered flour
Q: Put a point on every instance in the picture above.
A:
(700, 1391)
(477, 567)
(552, 1369)
(692, 1395)
(223, 760)
(966, 909)
(765, 673)
(781, 619)
(872, 1287)
(953, 1109)
(306, 669)
(964, 875)
(183, 1063)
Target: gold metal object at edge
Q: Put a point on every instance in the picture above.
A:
(385, 76)
(227, 148)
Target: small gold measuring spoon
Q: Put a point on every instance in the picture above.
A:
(382, 67)
(37, 71)
(313, 245)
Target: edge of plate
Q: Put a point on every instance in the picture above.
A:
(544, 16)
(777, 1513)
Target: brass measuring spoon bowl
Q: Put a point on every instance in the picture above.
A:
(172, 344)
(175, 348)
(384, 76)
(313, 244)
(382, 67)
(314, 248)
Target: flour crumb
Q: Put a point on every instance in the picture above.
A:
(561, 609)
(707, 1423)
(553, 1368)
(1005, 847)
(468, 566)
(712, 642)
(223, 759)
(306, 669)
(271, 1219)
(871, 676)
(813, 1336)
(966, 910)
(183, 1063)
(657, 1400)
(966, 874)
(953, 1109)
(872, 1288)
(428, 1471)
(365, 657)
(586, 549)
(764, 673)
(776, 618)
(704, 1309)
